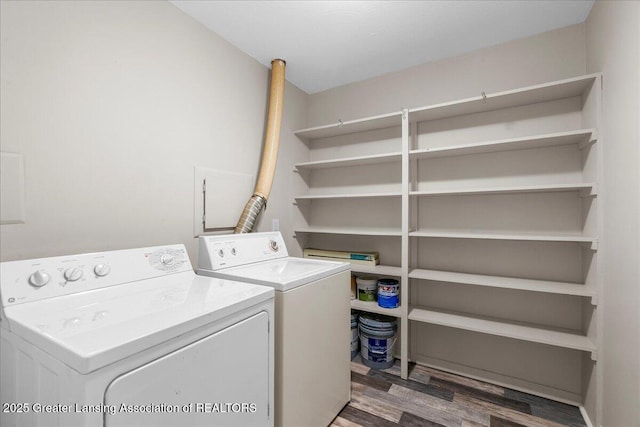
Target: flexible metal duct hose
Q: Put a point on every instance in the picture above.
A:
(250, 214)
(258, 200)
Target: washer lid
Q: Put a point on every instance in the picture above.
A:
(92, 329)
(284, 273)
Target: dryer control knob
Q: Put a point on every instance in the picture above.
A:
(273, 245)
(167, 259)
(72, 274)
(101, 270)
(39, 278)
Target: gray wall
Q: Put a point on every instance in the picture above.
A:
(538, 59)
(112, 105)
(613, 47)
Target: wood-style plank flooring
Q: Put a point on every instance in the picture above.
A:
(432, 398)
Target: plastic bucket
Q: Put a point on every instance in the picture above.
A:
(367, 288)
(377, 340)
(388, 293)
(355, 342)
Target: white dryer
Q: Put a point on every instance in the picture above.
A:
(132, 337)
(313, 321)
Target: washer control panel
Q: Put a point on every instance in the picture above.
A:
(216, 252)
(36, 279)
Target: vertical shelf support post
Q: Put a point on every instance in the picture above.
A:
(404, 279)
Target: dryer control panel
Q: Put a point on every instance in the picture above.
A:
(231, 250)
(37, 279)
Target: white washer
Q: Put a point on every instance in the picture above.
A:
(132, 337)
(313, 332)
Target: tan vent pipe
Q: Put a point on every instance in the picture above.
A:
(258, 200)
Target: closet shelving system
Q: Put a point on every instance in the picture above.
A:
(486, 209)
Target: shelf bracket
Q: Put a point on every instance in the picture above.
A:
(594, 299)
(301, 202)
(594, 355)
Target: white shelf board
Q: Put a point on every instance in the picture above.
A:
(373, 307)
(564, 288)
(512, 98)
(586, 188)
(380, 270)
(526, 332)
(347, 196)
(359, 231)
(352, 126)
(350, 161)
(503, 236)
(580, 137)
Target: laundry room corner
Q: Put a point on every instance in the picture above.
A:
(320, 213)
(111, 106)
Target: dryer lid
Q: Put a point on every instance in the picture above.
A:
(92, 329)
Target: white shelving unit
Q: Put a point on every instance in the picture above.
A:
(497, 236)
(564, 288)
(586, 189)
(487, 211)
(378, 270)
(580, 137)
(347, 196)
(373, 307)
(559, 338)
(352, 126)
(361, 231)
(322, 188)
(567, 88)
(350, 161)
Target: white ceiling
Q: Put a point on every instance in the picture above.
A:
(331, 43)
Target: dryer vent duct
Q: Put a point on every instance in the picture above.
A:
(258, 200)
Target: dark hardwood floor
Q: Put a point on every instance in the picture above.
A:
(432, 398)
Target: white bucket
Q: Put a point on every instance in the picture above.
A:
(367, 288)
(377, 340)
(354, 334)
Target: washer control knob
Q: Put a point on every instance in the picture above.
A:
(39, 278)
(273, 245)
(233, 251)
(221, 253)
(167, 259)
(99, 315)
(72, 322)
(101, 270)
(72, 274)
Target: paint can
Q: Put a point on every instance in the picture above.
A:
(367, 288)
(355, 342)
(388, 293)
(378, 336)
